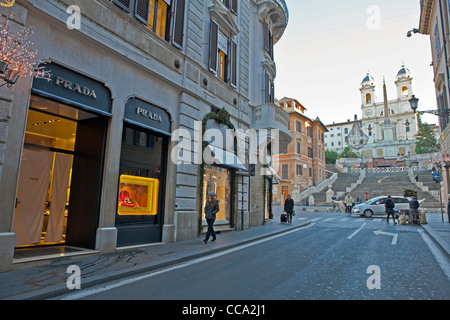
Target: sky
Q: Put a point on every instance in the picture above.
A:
(329, 46)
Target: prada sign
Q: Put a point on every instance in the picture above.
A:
(147, 115)
(74, 89)
(67, 84)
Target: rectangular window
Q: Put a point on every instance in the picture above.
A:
(222, 55)
(285, 171)
(298, 148)
(269, 89)
(298, 126)
(436, 40)
(164, 17)
(158, 16)
(268, 39)
(310, 153)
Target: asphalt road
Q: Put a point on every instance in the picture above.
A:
(334, 257)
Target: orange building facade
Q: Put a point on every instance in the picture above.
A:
(302, 164)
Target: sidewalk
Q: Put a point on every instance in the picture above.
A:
(50, 280)
(47, 281)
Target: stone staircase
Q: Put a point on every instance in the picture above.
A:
(343, 181)
(391, 183)
(381, 184)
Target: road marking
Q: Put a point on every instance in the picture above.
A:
(442, 261)
(345, 219)
(377, 220)
(393, 235)
(329, 219)
(119, 283)
(356, 232)
(315, 219)
(302, 218)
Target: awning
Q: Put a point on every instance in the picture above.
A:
(275, 174)
(226, 159)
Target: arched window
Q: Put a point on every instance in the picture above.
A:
(405, 92)
(368, 98)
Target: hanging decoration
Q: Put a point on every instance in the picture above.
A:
(17, 58)
(357, 139)
(7, 3)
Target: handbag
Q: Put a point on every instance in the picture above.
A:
(293, 213)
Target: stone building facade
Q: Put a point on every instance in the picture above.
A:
(126, 74)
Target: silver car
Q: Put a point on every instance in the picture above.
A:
(375, 206)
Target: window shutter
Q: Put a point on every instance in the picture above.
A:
(271, 45)
(124, 4)
(178, 24)
(233, 64)
(213, 46)
(272, 92)
(234, 6)
(266, 87)
(266, 36)
(141, 10)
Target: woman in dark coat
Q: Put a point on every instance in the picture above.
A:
(389, 205)
(211, 208)
(289, 207)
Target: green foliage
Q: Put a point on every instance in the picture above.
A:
(409, 193)
(330, 157)
(426, 140)
(348, 153)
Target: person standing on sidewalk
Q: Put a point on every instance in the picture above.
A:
(289, 208)
(413, 207)
(390, 205)
(349, 203)
(211, 209)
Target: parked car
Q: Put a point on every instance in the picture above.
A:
(375, 206)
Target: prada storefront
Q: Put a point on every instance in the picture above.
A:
(141, 198)
(58, 196)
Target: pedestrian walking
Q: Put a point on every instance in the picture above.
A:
(448, 209)
(413, 207)
(349, 201)
(289, 208)
(390, 205)
(211, 209)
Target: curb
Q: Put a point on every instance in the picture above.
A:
(444, 246)
(61, 289)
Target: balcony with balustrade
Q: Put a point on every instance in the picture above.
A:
(278, 13)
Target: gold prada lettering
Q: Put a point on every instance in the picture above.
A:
(66, 84)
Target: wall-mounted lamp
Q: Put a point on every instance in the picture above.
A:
(410, 32)
(17, 58)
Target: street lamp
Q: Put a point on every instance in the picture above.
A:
(414, 103)
(440, 112)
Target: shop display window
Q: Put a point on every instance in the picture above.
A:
(218, 180)
(138, 196)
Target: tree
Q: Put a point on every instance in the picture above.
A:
(330, 157)
(426, 140)
(348, 153)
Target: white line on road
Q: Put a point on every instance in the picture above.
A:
(442, 261)
(356, 232)
(315, 219)
(377, 220)
(393, 235)
(116, 284)
(329, 219)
